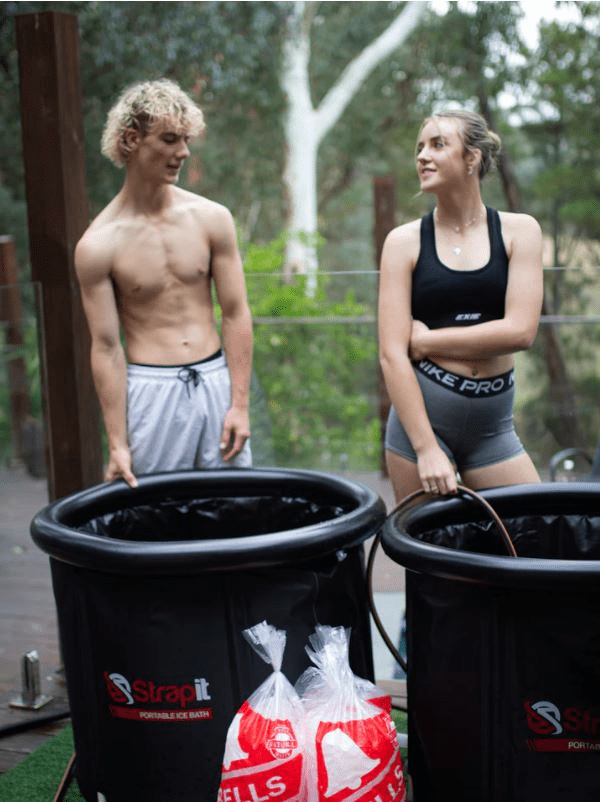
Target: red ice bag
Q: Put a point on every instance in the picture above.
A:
(263, 756)
(351, 743)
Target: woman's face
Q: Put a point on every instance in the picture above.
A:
(440, 154)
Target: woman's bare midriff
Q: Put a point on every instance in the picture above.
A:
(477, 368)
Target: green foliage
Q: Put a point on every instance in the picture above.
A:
(13, 221)
(316, 373)
(565, 127)
(540, 419)
(29, 353)
(468, 45)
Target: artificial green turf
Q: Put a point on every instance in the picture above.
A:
(399, 717)
(36, 779)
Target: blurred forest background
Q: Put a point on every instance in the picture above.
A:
(316, 398)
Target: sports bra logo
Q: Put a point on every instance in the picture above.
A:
(468, 316)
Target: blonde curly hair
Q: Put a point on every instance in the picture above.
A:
(141, 106)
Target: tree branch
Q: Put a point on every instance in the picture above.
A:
(340, 94)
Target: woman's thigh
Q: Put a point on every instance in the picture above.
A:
(403, 474)
(517, 470)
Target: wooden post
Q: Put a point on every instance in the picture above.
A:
(384, 197)
(53, 150)
(11, 312)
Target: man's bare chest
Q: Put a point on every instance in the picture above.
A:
(156, 257)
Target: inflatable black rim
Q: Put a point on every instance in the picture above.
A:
(465, 566)
(54, 528)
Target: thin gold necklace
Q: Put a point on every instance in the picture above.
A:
(457, 229)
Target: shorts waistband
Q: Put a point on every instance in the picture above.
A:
(213, 362)
(472, 388)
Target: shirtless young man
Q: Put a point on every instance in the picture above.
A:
(170, 398)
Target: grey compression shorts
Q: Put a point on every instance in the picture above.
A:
(472, 419)
(175, 416)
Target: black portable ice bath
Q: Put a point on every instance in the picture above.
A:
(154, 586)
(503, 676)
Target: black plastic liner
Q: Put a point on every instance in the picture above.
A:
(153, 589)
(207, 519)
(503, 653)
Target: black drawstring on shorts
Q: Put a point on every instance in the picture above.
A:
(187, 375)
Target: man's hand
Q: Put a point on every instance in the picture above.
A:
(236, 430)
(119, 467)
(416, 347)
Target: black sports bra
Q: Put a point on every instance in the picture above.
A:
(445, 297)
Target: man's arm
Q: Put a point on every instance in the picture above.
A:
(109, 365)
(236, 329)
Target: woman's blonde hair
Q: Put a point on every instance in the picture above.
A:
(140, 107)
(476, 135)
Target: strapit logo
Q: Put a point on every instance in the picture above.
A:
(146, 700)
(543, 718)
(572, 729)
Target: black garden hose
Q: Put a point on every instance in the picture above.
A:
(32, 723)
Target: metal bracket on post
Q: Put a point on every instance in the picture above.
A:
(31, 697)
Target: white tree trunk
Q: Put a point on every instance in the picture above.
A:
(305, 126)
(300, 176)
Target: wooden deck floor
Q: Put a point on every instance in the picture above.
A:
(28, 617)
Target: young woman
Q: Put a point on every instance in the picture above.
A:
(460, 293)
